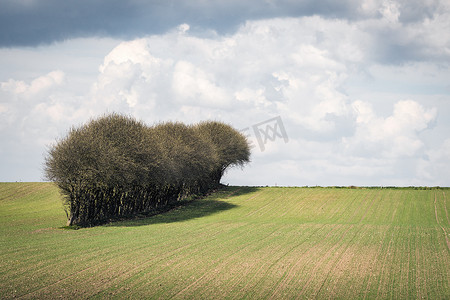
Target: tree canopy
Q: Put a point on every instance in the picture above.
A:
(117, 166)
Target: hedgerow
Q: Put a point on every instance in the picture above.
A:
(116, 166)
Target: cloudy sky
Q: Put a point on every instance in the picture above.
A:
(360, 87)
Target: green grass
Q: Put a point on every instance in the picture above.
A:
(241, 242)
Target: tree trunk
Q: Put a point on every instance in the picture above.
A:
(70, 220)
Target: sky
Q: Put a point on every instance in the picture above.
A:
(329, 93)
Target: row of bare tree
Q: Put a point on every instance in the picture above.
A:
(117, 166)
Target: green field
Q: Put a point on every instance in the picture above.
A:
(242, 242)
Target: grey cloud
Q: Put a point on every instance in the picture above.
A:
(30, 23)
(417, 10)
(40, 22)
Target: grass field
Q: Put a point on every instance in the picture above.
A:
(243, 242)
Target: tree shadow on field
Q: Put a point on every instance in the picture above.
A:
(191, 209)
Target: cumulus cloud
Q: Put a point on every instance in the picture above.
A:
(306, 70)
(264, 67)
(38, 85)
(34, 113)
(404, 34)
(295, 68)
(46, 21)
(31, 113)
(18, 97)
(394, 136)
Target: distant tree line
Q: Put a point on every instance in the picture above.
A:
(117, 166)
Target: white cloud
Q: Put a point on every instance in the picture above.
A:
(264, 66)
(310, 71)
(33, 111)
(390, 11)
(193, 86)
(40, 84)
(391, 137)
(401, 36)
(19, 98)
(433, 168)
